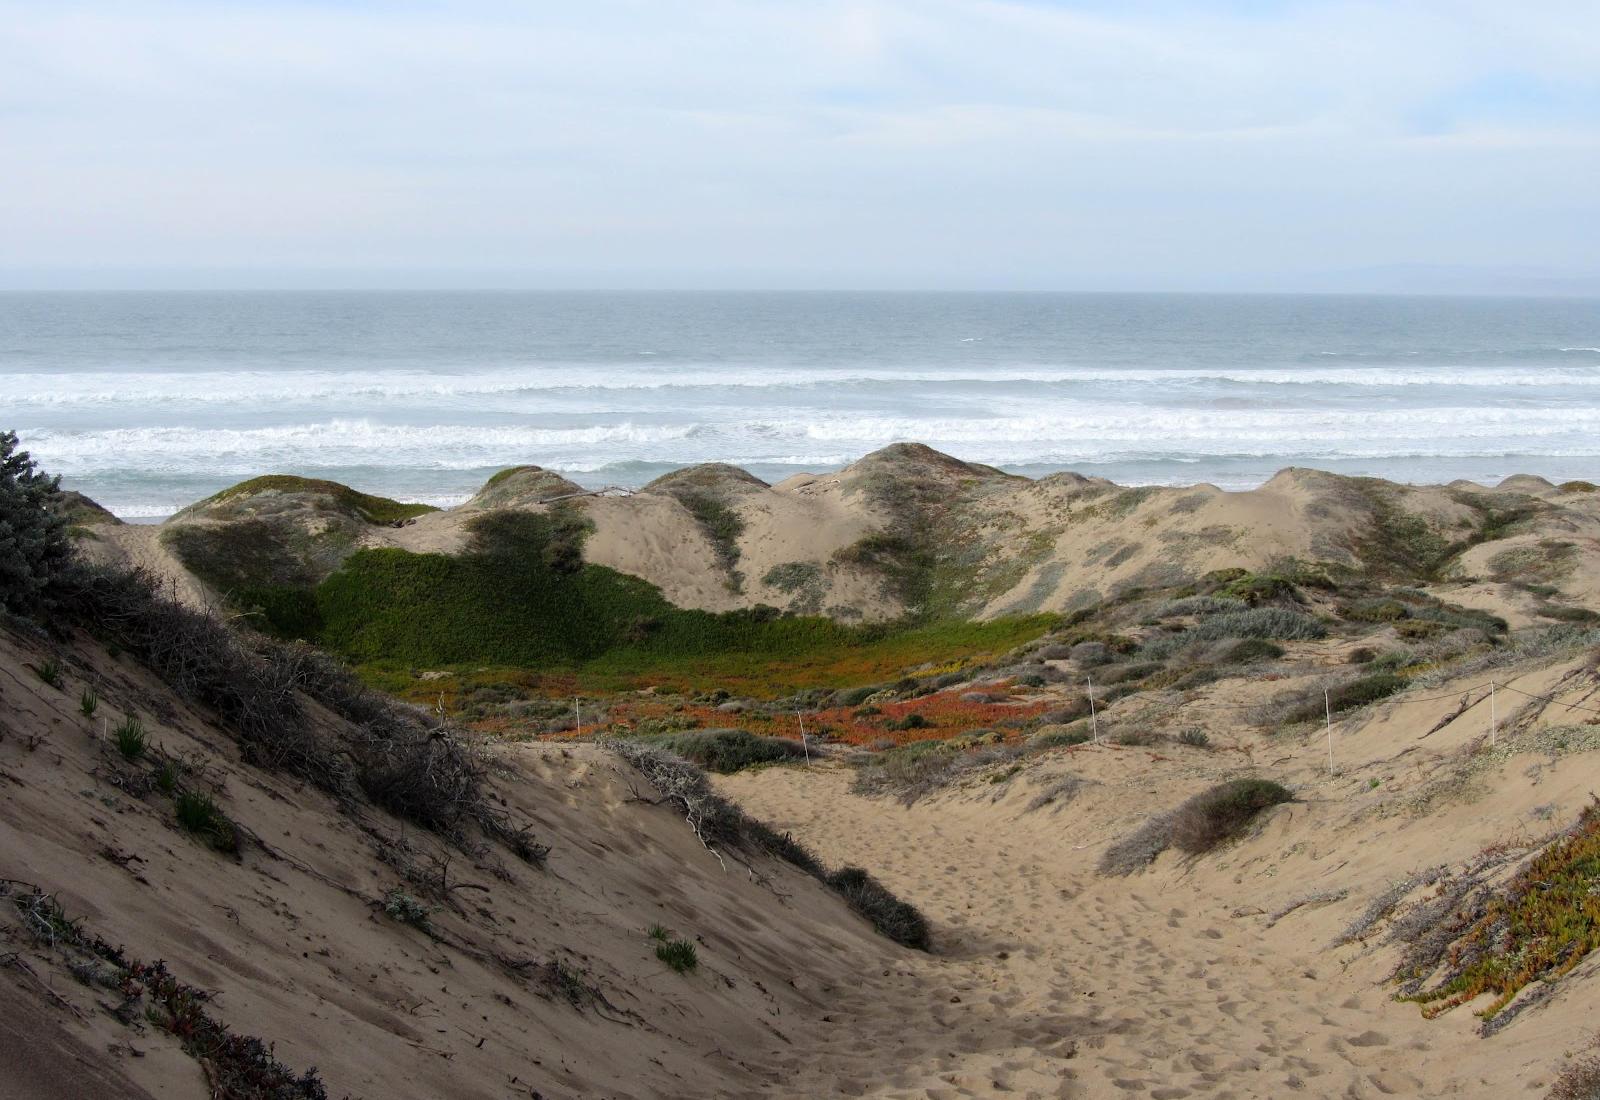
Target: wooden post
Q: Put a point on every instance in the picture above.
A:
(1327, 712)
(803, 743)
(577, 717)
(1493, 717)
(1094, 721)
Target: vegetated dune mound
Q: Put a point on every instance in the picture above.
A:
(907, 531)
(81, 512)
(371, 946)
(267, 541)
(521, 487)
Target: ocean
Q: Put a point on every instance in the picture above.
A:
(147, 402)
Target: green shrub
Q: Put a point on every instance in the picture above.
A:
(793, 576)
(282, 611)
(896, 919)
(1222, 813)
(1140, 738)
(679, 955)
(850, 697)
(729, 751)
(1392, 660)
(406, 909)
(1254, 588)
(1566, 614)
(1255, 623)
(1260, 622)
(89, 702)
(1374, 611)
(1247, 650)
(130, 738)
(1122, 674)
(1058, 736)
(1368, 689)
(1195, 738)
(1345, 696)
(1199, 605)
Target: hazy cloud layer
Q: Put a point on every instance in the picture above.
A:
(918, 143)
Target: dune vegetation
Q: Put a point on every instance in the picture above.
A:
(521, 597)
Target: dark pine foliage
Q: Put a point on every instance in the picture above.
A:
(34, 546)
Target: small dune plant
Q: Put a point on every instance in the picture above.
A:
(1208, 820)
(130, 738)
(406, 908)
(166, 777)
(1213, 817)
(896, 919)
(679, 955)
(50, 671)
(89, 702)
(199, 814)
(732, 750)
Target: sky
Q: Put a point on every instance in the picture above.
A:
(943, 144)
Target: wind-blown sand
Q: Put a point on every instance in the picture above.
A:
(1050, 980)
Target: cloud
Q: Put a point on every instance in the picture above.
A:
(918, 142)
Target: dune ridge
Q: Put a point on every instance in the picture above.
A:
(1227, 819)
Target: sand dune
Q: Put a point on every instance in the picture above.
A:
(1218, 977)
(293, 941)
(907, 528)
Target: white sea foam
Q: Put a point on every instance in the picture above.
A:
(1072, 432)
(104, 388)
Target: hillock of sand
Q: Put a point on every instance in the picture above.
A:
(390, 958)
(909, 531)
(1128, 792)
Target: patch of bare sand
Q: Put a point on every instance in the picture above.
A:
(138, 545)
(1213, 978)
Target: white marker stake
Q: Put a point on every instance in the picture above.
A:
(577, 717)
(803, 744)
(1327, 710)
(1492, 716)
(1094, 721)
